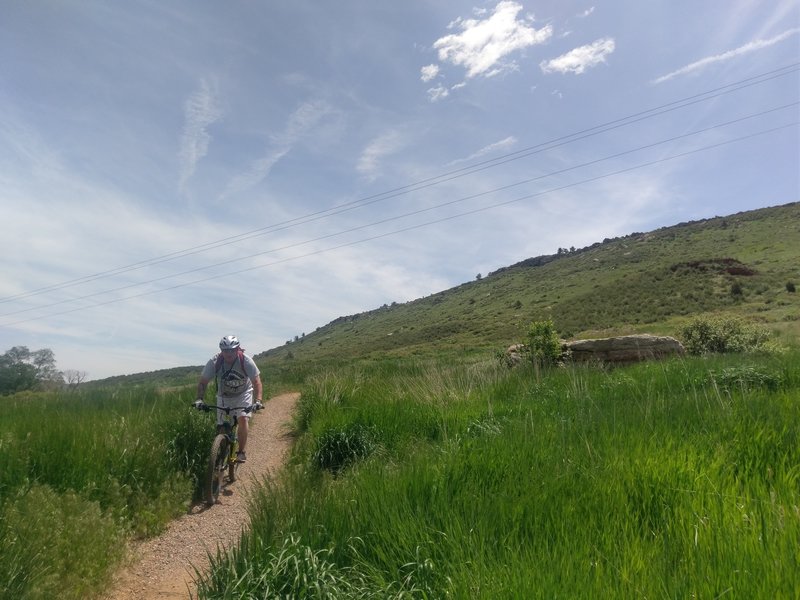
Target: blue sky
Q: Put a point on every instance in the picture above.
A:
(172, 172)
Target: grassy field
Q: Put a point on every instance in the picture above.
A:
(80, 474)
(665, 480)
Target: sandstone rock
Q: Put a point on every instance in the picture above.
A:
(624, 349)
(513, 355)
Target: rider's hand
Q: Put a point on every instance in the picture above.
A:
(259, 406)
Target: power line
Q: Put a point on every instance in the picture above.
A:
(415, 212)
(428, 182)
(404, 229)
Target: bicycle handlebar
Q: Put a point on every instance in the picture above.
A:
(200, 405)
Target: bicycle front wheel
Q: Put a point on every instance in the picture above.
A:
(233, 466)
(217, 465)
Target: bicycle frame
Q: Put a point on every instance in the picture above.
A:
(224, 450)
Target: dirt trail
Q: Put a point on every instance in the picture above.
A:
(162, 568)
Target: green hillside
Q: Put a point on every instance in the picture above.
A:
(644, 282)
(738, 264)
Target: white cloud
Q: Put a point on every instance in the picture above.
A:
(741, 50)
(482, 45)
(200, 111)
(579, 59)
(437, 93)
(586, 13)
(429, 72)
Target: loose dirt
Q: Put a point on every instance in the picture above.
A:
(163, 568)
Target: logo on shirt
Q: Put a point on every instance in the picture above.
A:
(233, 383)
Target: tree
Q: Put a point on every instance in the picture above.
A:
(74, 378)
(15, 376)
(45, 362)
(21, 369)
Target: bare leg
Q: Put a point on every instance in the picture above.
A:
(242, 435)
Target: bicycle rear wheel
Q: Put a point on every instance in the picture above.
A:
(217, 465)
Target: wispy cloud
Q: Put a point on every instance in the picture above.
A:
(384, 145)
(300, 123)
(484, 45)
(731, 54)
(579, 59)
(438, 92)
(502, 145)
(200, 111)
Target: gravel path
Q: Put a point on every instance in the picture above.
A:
(161, 568)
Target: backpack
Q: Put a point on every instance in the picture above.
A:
(220, 359)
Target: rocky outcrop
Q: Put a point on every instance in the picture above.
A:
(514, 355)
(624, 349)
(620, 350)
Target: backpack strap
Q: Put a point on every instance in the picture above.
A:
(220, 359)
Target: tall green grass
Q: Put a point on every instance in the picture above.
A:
(80, 473)
(664, 480)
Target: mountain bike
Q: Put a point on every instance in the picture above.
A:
(223, 450)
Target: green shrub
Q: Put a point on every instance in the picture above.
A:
(746, 378)
(339, 447)
(543, 344)
(721, 335)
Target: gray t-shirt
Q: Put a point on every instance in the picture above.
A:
(231, 379)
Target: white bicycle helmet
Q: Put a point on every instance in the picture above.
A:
(229, 342)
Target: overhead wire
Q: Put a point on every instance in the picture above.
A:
(408, 228)
(424, 183)
(414, 212)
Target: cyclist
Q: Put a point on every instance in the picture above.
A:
(238, 381)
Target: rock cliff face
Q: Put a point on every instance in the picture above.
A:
(624, 349)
